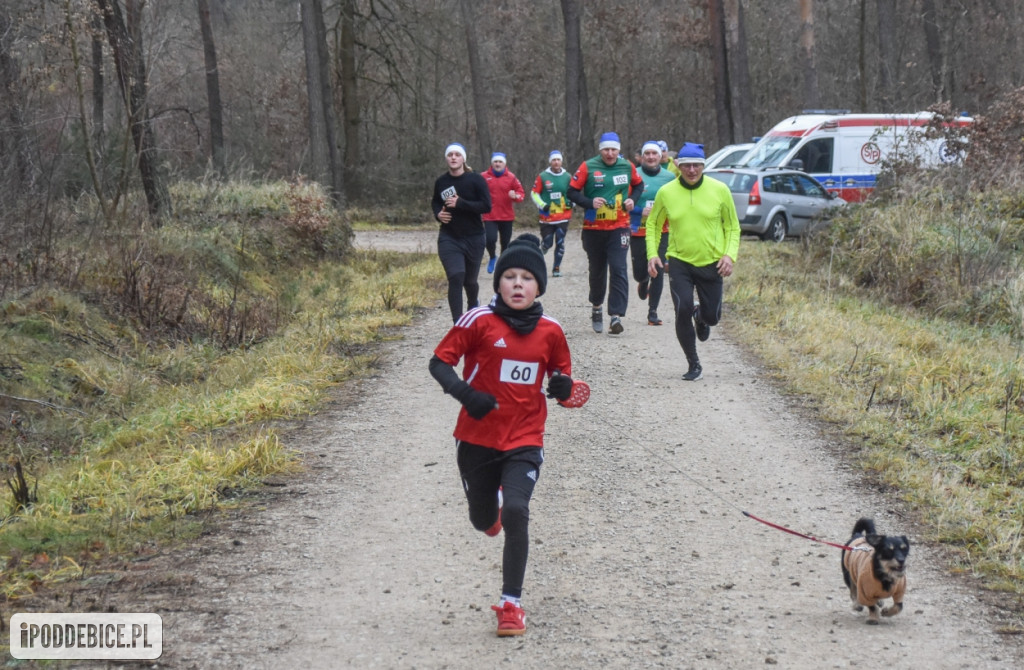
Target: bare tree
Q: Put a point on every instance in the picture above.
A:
(349, 94)
(886, 10)
(14, 141)
(323, 145)
(476, 73)
(98, 98)
(862, 65)
(933, 46)
(720, 66)
(739, 71)
(812, 96)
(578, 127)
(216, 111)
(124, 32)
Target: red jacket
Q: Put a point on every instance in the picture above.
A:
(501, 204)
(513, 368)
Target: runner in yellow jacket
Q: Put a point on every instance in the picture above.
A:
(704, 239)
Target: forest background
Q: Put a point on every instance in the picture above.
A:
(363, 95)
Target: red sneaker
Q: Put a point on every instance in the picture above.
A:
(496, 528)
(511, 619)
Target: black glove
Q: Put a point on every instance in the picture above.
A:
(560, 386)
(477, 403)
(546, 209)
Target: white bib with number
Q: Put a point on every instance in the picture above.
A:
(518, 372)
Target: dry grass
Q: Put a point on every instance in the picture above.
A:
(131, 434)
(936, 403)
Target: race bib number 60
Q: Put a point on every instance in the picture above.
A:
(518, 372)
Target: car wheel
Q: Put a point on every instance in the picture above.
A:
(776, 229)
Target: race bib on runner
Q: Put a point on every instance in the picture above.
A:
(518, 372)
(620, 179)
(609, 213)
(447, 193)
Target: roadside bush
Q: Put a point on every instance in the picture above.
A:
(945, 241)
(939, 247)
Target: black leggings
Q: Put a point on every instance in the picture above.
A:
(553, 234)
(682, 279)
(638, 251)
(607, 251)
(494, 229)
(460, 257)
(516, 471)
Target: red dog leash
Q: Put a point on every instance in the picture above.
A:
(806, 537)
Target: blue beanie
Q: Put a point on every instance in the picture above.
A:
(690, 153)
(555, 154)
(497, 155)
(610, 141)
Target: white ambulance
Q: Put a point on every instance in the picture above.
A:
(845, 151)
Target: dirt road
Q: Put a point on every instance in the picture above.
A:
(640, 555)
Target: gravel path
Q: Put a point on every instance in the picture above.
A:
(640, 555)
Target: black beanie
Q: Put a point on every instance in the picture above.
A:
(523, 252)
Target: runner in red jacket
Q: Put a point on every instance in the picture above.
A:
(508, 349)
(505, 190)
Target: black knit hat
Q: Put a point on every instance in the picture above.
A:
(523, 252)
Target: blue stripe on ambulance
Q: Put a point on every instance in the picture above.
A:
(835, 182)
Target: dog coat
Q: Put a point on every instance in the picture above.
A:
(869, 589)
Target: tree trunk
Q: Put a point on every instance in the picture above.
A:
(739, 71)
(862, 65)
(216, 111)
(124, 32)
(14, 141)
(476, 73)
(98, 99)
(720, 68)
(578, 128)
(323, 145)
(886, 10)
(933, 45)
(349, 95)
(812, 97)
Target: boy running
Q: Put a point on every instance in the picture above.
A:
(509, 347)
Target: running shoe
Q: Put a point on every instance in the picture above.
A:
(641, 289)
(652, 319)
(511, 619)
(496, 528)
(615, 326)
(555, 272)
(694, 373)
(597, 319)
(490, 265)
(703, 329)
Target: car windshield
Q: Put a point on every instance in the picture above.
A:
(769, 152)
(732, 158)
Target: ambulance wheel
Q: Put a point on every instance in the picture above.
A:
(776, 229)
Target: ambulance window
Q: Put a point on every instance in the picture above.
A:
(817, 155)
(810, 187)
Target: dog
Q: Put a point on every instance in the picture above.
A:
(878, 573)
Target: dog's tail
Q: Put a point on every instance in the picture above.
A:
(864, 526)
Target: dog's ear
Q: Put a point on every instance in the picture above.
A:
(875, 540)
